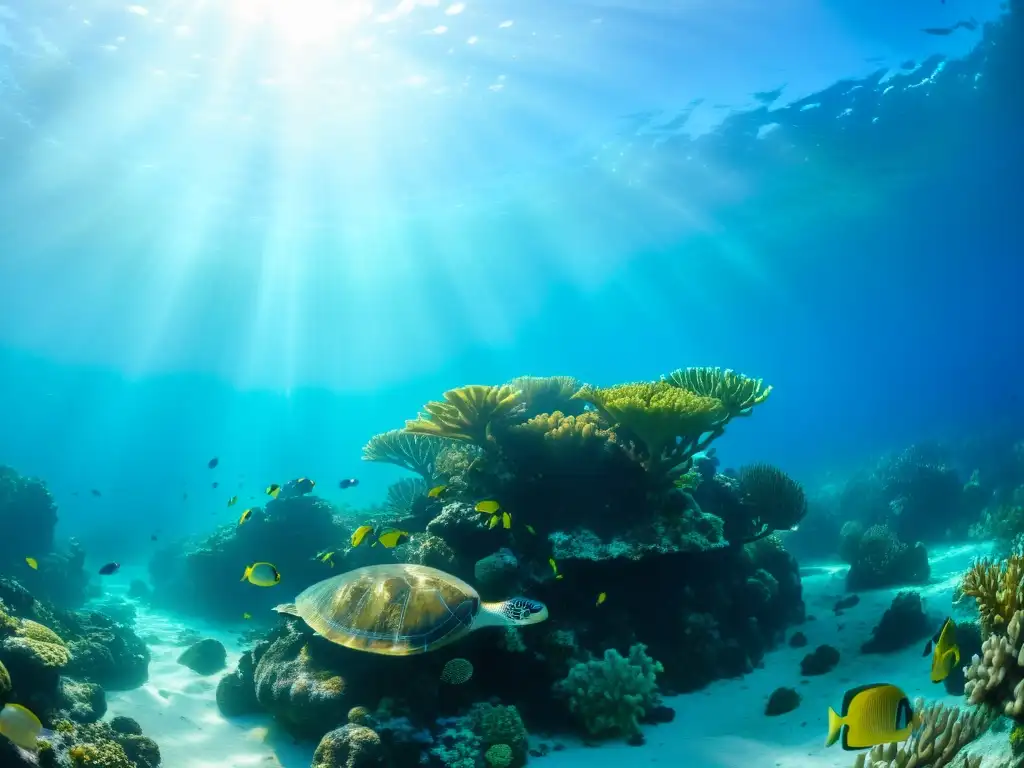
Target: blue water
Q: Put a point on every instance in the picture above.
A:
(232, 230)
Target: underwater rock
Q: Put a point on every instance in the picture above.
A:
(117, 609)
(496, 576)
(798, 640)
(427, 549)
(105, 651)
(822, 659)
(351, 746)
(125, 726)
(236, 691)
(80, 701)
(206, 657)
(903, 624)
(883, 560)
(781, 701)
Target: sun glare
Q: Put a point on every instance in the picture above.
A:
(303, 21)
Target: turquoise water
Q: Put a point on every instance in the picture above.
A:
(265, 232)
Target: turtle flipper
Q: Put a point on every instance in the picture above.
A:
(288, 609)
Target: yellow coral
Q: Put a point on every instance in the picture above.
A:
(997, 589)
(466, 414)
(738, 393)
(658, 413)
(36, 631)
(557, 426)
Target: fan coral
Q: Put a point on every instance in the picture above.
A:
(672, 423)
(415, 452)
(738, 393)
(943, 733)
(610, 695)
(467, 413)
(773, 499)
(996, 587)
(545, 394)
(402, 494)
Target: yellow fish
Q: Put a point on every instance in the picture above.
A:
(392, 538)
(261, 574)
(22, 727)
(245, 516)
(246, 615)
(326, 556)
(32, 563)
(601, 598)
(232, 501)
(506, 520)
(554, 567)
(360, 533)
(273, 489)
(530, 529)
(436, 491)
(872, 714)
(489, 507)
(946, 654)
(494, 521)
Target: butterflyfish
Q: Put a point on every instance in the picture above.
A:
(392, 538)
(261, 574)
(946, 652)
(273, 489)
(488, 507)
(436, 491)
(245, 516)
(232, 501)
(601, 598)
(874, 714)
(360, 534)
(304, 485)
(22, 727)
(350, 482)
(32, 563)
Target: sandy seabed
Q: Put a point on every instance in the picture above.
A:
(722, 726)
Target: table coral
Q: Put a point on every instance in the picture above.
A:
(467, 413)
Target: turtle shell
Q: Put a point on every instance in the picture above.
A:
(397, 610)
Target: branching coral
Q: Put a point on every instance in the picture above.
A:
(996, 677)
(773, 500)
(942, 734)
(546, 394)
(996, 587)
(466, 414)
(672, 423)
(738, 393)
(568, 432)
(610, 695)
(415, 452)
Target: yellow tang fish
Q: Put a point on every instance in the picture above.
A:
(530, 529)
(601, 598)
(392, 538)
(872, 714)
(245, 516)
(488, 507)
(273, 489)
(946, 654)
(246, 615)
(359, 534)
(506, 520)
(494, 521)
(261, 574)
(436, 491)
(22, 727)
(32, 563)
(232, 501)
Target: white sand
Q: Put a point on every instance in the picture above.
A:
(723, 726)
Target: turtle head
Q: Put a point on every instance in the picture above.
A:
(520, 611)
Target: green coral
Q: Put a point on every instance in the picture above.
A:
(105, 754)
(1017, 739)
(609, 696)
(466, 413)
(738, 393)
(501, 724)
(499, 756)
(457, 747)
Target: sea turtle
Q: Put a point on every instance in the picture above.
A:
(403, 609)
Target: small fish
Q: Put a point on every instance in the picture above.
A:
(232, 501)
(554, 567)
(109, 569)
(392, 538)
(326, 557)
(32, 563)
(437, 491)
(348, 483)
(246, 514)
(184, 497)
(96, 493)
(530, 529)
(22, 727)
(214, 484)
(273, 489)
(506, 520)
(872, 714)
(261, 574)
(946, 654)
(488, 507)
(304, 485)
(213, 462)
(152, 537)
(360, 533)
(601, 598)
(246, 615)
(494, 521)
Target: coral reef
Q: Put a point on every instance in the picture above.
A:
(415, 452)
(822, 659)
(903, 624)
(882, 560)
